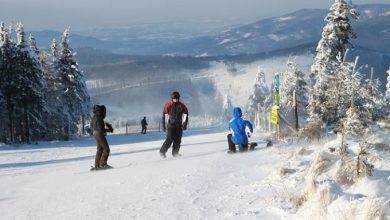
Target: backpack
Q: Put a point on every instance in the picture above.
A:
(175, 115)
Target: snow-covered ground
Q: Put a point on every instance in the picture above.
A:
(53, 181)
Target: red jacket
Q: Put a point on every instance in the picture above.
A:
(183, 113)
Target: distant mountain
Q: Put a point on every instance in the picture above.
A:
(44, 39)
(302, 27)
(298, 28)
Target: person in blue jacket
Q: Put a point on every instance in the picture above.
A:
(240, 130)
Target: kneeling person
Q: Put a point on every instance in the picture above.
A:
(240, 130)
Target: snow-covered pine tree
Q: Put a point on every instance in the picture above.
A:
(260, 96)
(386, 98)
(33, 44)
(3, 115)
(351, 85)
(9, 83)
(30, 101)
(324, 97)
(336, 36)
(331, 51)
(74, 92)
(56, 115)
(227, 108)
(54, 51)
(353, 125)
(388, 84)
(293, 79)
(372, 99)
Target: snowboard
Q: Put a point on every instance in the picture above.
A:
(251, 146)
(98, 168)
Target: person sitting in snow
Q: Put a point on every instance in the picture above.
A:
(240, 130)
(99, 132)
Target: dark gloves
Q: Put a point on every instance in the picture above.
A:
(109, 128)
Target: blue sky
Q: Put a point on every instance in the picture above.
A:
(89, 14)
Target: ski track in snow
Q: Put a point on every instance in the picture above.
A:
(54, 182)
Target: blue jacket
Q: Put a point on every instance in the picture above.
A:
(239, 127)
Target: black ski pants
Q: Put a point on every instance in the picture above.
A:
(103, 150)
(173, 136)
(143, 131)
(232, 146)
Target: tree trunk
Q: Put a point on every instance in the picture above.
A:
(10, 121)
(83, 124)
(296, 110)
(26, 124)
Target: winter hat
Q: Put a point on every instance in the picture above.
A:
(175, 95)
(99, 110)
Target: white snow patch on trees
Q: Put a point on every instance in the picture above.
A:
(281, 19)
(387, 13)
(224, 41)
(247, 35)
(276, 37)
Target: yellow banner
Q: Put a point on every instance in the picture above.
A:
(274, 115)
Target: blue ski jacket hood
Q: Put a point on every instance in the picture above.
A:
(240, 127)
(237, 113)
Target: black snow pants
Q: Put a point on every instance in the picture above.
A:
(173, 136)
(103, 150)
(232, 146)
(143, 131)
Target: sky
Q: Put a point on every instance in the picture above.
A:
(90, 14)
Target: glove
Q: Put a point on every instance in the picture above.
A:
(185, 126)
(109, 128)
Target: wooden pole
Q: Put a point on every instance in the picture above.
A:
(296, 110)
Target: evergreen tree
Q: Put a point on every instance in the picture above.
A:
(33, 44)
(227, 108)
(9, 82)
(54, 51)
(260, 96)
(386, 98)
(3, 115)
(30, 100)
(372, 99)
(325, 72)
(388, 85)
(336, 36)
(57, 115)
(349, 83)
(73, 90)
(353, 125)
(39, 93)
(294, 81)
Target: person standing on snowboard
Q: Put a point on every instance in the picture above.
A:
(99, 132)
(240, 130)
(176, 114)
(144, 125)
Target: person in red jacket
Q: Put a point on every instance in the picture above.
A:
(176, 114)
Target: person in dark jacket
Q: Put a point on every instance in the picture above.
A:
(100, 129)
(176, 114)
(144, 125)
(240, 130)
